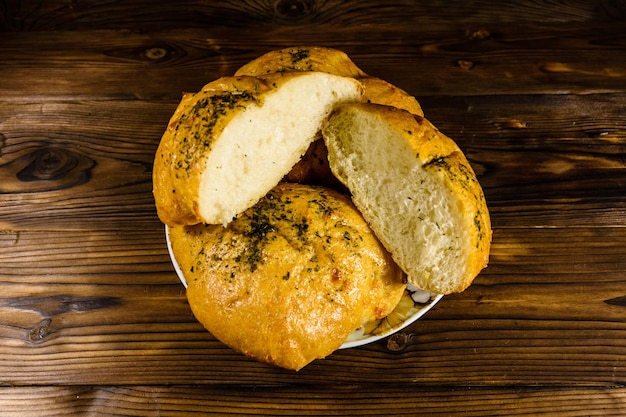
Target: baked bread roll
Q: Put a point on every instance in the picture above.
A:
(417, 191)
(226, 146)
(289, 279)
(286, 272)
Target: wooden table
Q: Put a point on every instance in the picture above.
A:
(93, 320)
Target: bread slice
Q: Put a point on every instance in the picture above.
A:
(417, 191)
(289, 279)
(226, 146)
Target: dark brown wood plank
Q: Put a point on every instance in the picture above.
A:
(105, 257)
(141, 14)
(79, 164)
(305, 401)
(549, 309)
(93, 319)
(446, 60)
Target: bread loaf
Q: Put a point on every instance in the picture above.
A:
(289, 279)
(417, 191)
(226, 146)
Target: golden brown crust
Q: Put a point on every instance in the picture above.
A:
(313, 169)
(379, 91)
(333, 61)
(314, 58)
(197, 126)
(196, 123)
(289, 279)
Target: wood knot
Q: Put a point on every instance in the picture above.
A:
(56, 165)
(478, 34)
(156, 53)
(293, 9)
(509, 124)
(465, 64)
(153, 54)
(40, 332)
(398, 342)
(48, 164)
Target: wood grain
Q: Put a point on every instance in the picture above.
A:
(102, 314)
(541, 61)
(32, 15)
(93, 320)
(306, 401)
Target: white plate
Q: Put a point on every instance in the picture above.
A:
(413, 305)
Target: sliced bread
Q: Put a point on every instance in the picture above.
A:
(226, 146)
(417, 191)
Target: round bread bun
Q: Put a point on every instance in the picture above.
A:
(417, 191)
(240, 133)
(289, 279)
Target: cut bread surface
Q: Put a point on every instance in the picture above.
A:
(261, 144)
(424, 215)
(215, 162)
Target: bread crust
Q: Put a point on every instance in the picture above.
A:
(289, 279)
(189, 138)
(434, 152)
(196, 128)
(379, 91)
(313, 167)
(303, 58)
(332, 61)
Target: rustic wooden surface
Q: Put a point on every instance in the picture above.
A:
(93, 320)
